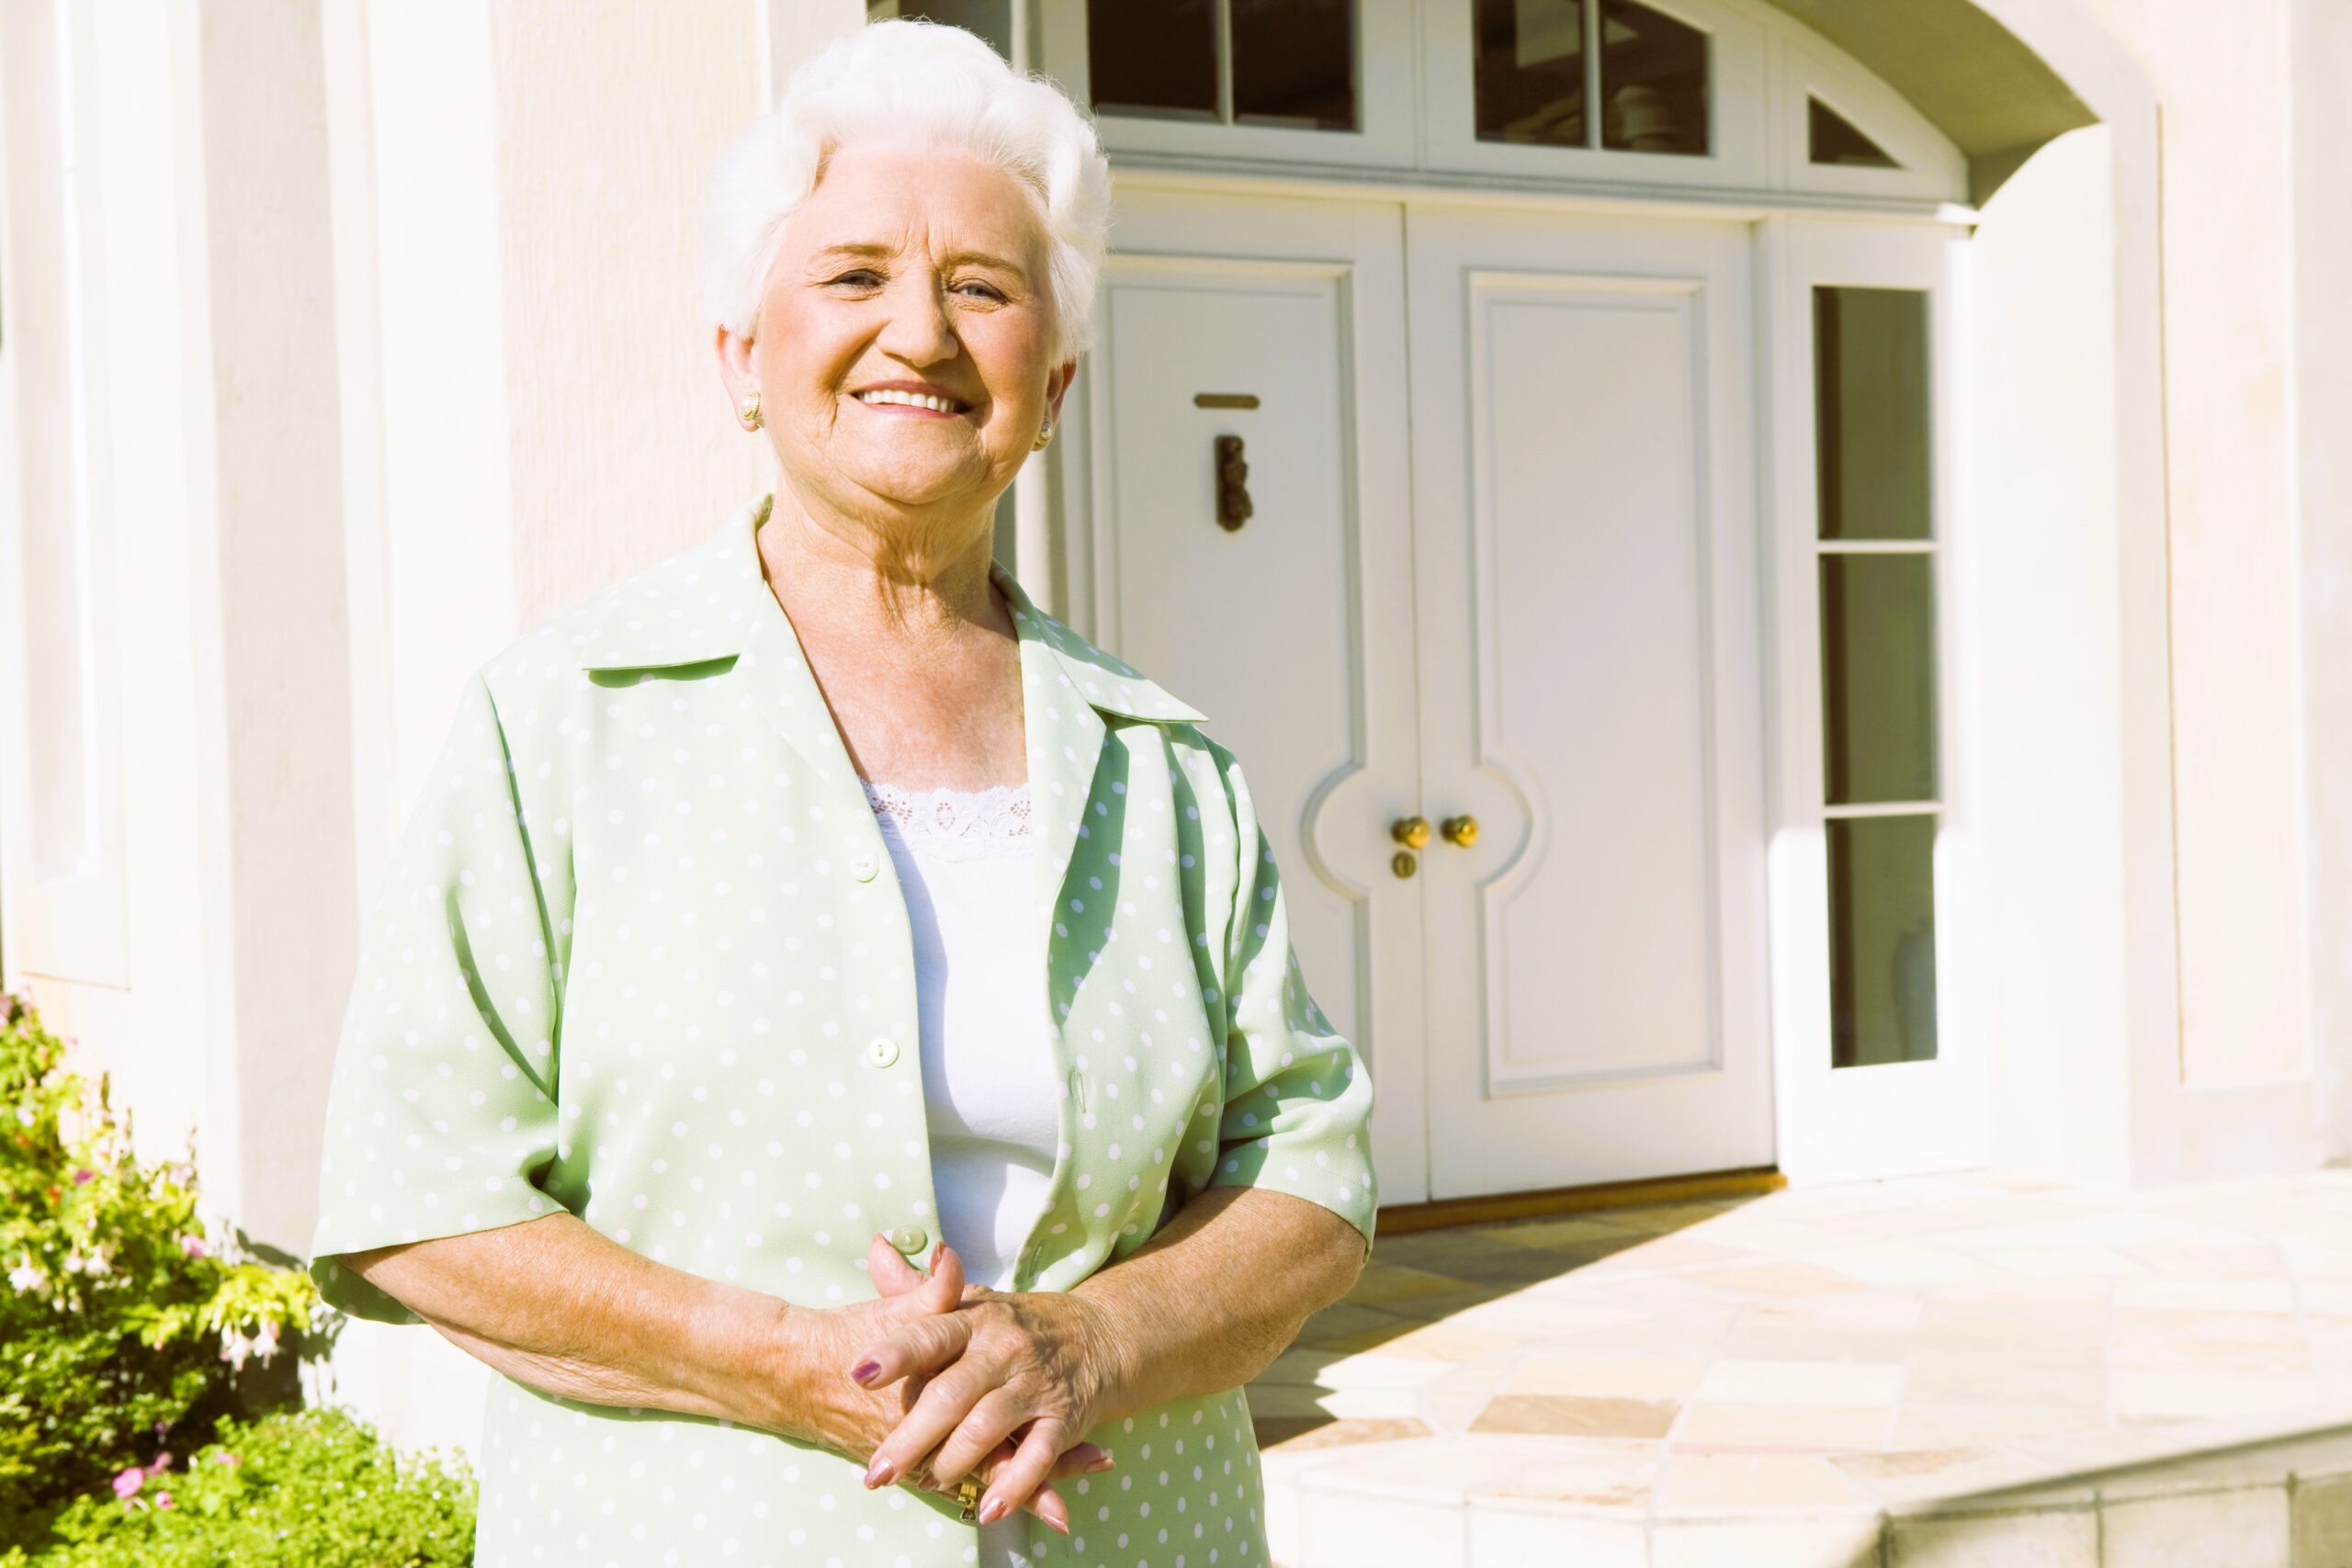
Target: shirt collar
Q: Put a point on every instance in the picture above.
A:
(704, 602)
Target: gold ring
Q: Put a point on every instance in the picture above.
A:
(967, 1493)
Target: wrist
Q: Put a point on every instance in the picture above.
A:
(1115, 1365)
(773, 1383)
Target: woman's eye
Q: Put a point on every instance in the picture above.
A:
(865, 276)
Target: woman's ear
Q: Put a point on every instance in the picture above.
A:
(1057, 386)
(734, 365)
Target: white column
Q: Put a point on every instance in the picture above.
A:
(2208, 972)
(200, 694)
(2320, 47)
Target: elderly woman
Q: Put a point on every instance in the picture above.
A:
(829, 1038)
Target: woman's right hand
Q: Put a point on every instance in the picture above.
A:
(833, 1409)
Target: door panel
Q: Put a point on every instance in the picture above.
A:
(1592, 613)
(1587, 624)
(1292, 631)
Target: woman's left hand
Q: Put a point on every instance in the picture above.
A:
(1036, 1368)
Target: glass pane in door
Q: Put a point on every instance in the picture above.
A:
(1878, 678)
(1653, 81)
(1155, 57)
(1294, 63)
(1528, 72)
(1870, 356)
(1882, 940)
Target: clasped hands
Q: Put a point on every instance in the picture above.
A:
(938, 1380)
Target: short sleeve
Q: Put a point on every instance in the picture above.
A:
(441, 1116)
(1298, 1100)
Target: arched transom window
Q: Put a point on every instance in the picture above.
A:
(1728, 94)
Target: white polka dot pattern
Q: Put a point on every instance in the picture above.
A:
(642, 954)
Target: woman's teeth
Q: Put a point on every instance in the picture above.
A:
(915, 399)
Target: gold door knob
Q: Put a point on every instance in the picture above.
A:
(1402, 863)
(1413, 832)
(1462, 830)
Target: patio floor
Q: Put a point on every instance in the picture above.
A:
(1967, 1369)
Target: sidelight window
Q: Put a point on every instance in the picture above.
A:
(1876, 551)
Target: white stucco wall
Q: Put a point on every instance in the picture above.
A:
(2320, 46)
(2210, 896)
(141, 1016)
(2049, 691)
(621, 444)
(2229, 328)
(203, 405)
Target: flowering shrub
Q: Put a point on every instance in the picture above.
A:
(303, 1489)
(126, 1318)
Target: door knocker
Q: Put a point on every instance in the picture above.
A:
(1233, 508)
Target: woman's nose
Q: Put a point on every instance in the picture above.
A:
(919, 328)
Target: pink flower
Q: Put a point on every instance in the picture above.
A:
(163, 1462)
(224, 1456)
(127, 1482)
(163, 1499)
(193, 1246)
(82, 1174)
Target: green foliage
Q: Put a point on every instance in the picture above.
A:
(125, 1317)
(306, 1489)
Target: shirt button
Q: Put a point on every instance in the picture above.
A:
(881, 1051)
(910, 1239)
(863, 867)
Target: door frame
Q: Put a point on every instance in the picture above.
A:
(1824, 1131)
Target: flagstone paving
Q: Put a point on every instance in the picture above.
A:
(1967, 1369)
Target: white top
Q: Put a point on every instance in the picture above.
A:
(965, 862)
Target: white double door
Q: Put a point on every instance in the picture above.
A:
(1500, 564)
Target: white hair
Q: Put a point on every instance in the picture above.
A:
(909, 79)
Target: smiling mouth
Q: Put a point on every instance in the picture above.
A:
(923, 401)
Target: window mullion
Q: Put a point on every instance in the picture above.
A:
(1593, 109)
(1225, 61)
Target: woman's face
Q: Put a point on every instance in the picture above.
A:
(910, 264)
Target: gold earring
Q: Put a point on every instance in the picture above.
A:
(751, 410)
(1044, 434)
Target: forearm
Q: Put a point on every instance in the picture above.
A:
(554, 1305)
(1223, 1289)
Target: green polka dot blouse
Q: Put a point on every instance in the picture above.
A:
(641, 954)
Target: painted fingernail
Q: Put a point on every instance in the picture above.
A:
(1062, 1525)
(1105, 1462)
(864, 1370)
(932, 1267)
(991, 1510)
(879, 1473)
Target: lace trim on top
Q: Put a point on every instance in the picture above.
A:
(960, 824)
